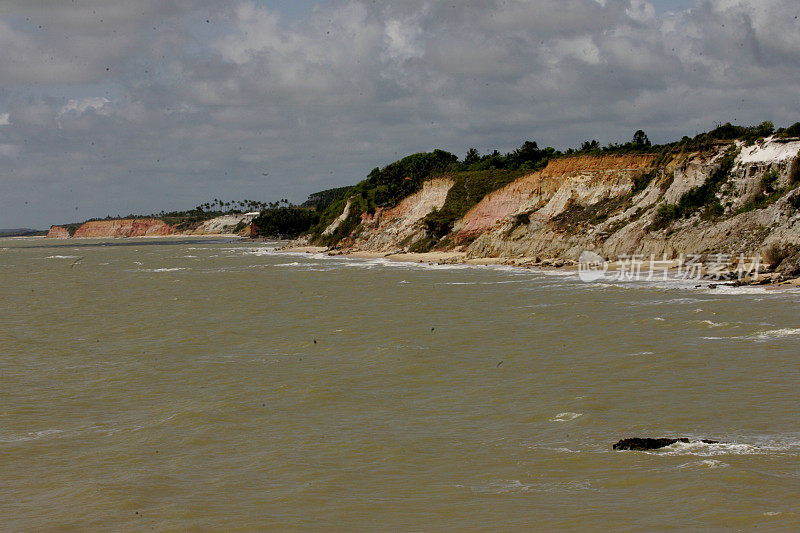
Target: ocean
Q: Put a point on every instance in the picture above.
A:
(204, 384)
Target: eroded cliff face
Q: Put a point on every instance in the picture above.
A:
(239, 224)
(224, 225)
(58, 232)
(396, 228)
(615, 205)
(129, 227)
(601, 211)
(583, 179)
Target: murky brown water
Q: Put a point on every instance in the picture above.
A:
(177, 385)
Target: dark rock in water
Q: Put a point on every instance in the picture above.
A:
(644, 444)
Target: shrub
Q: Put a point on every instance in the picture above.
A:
(285, 222)
(712, 210)
(423, 245)
(794, 170)
(665, 215)
(794, 200)
(641, 181)
(768, 181)
(793, 130)
(695, 198)
(775, 253)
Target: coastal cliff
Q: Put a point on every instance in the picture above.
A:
(127, 227)
(724, 197)
(58, 232)
(239, 224)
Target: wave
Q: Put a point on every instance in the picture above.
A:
(62, 257)
(565, 417)
(33, 435)
(701, 449)
(705, 463)
(515, 486)
(176, 269)
(777, 334)
(768, 335)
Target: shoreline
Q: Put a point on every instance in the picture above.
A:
(171, 236)
(766, 280)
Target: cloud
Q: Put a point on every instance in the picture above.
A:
(95, 103)
(9, 150)
(114, 107)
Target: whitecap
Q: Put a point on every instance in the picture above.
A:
(515, 486)
(565, 417)
(62, 257)
(701, 449)
(158, 269)
(777, 333)
(713, 324)
(705, 463)
(33, 435)
(560, 449)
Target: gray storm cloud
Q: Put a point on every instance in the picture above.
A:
(119, 107)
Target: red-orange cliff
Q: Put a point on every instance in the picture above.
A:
(129, 227)
(58, 232)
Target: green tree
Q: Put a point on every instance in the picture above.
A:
(640, 138)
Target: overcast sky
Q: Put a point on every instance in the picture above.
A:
(109, 107)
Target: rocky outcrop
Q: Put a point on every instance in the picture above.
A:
(644, 444)
(129, 227)
(58, 232)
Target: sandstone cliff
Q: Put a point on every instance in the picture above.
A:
(154, 227)
(731, 197)
(401, 225)
(58, 232)
(129, 227)
(225, 225)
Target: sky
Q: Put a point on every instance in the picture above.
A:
(111, 107)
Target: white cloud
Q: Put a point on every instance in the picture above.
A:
(95, 103)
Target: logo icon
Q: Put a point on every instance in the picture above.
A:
(591, 266)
